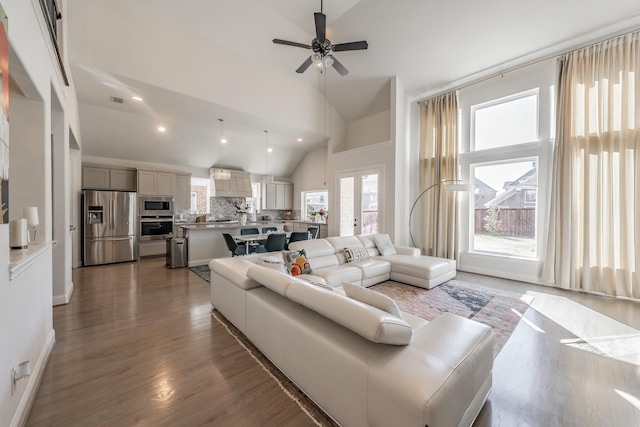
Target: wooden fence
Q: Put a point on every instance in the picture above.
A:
(516, 222)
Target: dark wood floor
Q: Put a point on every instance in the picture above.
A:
(136, 346)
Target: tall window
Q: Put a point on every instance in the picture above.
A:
(505, 141)
(502, 222)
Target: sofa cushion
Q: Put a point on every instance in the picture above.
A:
(384, 244)
(234, 270)
(340, 243)
(369, 322)
(297, 262)
(340, 273)
(372, 298)
(427, 267)
(269, 278)
(319, 252)
(369, 243)
(372, 267)
(275, 262)
(356, 253)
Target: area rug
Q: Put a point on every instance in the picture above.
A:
(317, 415)
(501, 310)
(203, 272)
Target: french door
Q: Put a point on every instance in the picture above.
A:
(359, 200)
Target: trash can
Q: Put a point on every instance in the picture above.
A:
(177, 252)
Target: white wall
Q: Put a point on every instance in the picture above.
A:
(369, 130)
(310, 175)
(26, 320)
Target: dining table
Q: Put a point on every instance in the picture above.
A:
(248, 239)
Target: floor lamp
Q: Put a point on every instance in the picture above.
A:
(448, 187)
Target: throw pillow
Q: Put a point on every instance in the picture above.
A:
(384, 244)
(357, 253)
(275, 262)
(297, 262)
(372, 298)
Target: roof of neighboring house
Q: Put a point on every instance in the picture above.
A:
(528, 180)
(477, 183)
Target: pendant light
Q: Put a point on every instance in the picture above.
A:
(220, 173)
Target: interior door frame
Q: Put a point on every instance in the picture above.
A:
(357, 174)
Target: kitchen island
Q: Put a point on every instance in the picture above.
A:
(205, 240)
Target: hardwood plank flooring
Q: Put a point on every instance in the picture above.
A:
(137, 346)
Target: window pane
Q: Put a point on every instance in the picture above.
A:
(505, 208)
(369, 204)
(314, 202)
(199, 195)
(347, 205)
(509, 122)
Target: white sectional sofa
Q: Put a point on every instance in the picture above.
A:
(362, 364)
(328, 260)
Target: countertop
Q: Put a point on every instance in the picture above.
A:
(225, 225)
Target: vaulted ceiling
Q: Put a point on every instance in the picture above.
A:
(195, 61)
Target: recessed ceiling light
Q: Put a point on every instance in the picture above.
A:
(136, 98)
(269, 150)
(162, 129)
(299, 139)
(223, 140)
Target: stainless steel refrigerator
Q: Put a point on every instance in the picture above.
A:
(109, 227)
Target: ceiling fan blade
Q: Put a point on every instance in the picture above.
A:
(341, 47)
(304, 66)
(321, 26)
(338, 66)
(288, 43)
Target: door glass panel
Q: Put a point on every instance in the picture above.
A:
(369, 204)
(504, 219)
(347, 206)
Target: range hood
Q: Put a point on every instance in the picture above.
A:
(237, 185)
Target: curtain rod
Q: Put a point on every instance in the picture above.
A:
(533, 62)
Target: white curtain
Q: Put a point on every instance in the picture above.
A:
(594, 234)
(438, 162)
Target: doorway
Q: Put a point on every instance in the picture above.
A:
(359, 198)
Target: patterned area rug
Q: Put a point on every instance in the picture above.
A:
(501, 310)
(203, 272)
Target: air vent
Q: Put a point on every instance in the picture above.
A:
(117, 100)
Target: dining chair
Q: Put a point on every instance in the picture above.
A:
(253, 230)
(266, 230)
(313, 230)
(233, 246)
(297, 236)
(274, 242)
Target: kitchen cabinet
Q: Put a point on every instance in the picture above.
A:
(278, 195)
(156, 183)
(108, 178)
(182, 196)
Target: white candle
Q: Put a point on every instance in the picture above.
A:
(18, 236)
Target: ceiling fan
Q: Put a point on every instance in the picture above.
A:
(322, 47)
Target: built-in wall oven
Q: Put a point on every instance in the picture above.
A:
(155, 227)
(156, 205)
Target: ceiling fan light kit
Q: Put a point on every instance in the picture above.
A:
(323, 48)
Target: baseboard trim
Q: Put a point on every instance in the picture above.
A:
(63, 299)
(29, 396)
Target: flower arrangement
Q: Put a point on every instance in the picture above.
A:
(322, 213)
(287, 214)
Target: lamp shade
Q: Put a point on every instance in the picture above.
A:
(31, 214)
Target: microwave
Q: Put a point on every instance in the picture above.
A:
(156, 206)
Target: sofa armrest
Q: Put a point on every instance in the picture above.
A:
(407, 250)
